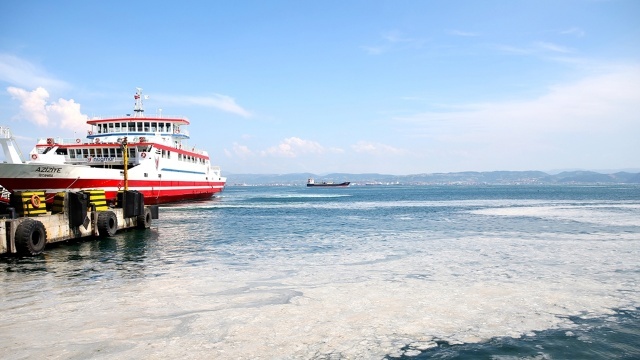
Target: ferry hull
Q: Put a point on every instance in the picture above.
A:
(56, 178)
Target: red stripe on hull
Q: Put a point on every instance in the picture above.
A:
(155, 192)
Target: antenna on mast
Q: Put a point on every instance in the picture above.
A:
(138, 108)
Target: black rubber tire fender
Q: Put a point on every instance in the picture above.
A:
(107, 223)
(30, 237)
(144, 220)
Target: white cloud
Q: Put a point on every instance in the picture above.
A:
(32, 104)
(67, 114)
(293, 147)
(240, 151)
(22, 73)
(376, 148)
(34, 108)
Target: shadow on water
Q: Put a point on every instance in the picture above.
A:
(90, 258)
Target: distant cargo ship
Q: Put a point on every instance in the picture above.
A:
(312, 183)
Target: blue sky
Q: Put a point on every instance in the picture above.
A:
(396, 87)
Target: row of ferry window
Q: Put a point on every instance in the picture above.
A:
(102, 152)
(136, 126)
(117, 152)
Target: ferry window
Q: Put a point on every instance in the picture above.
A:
(99, 152)
(132, 126)
(146, 126)
(117, 127)
(154, 127)
(139, 126)
(168, 125)
(119, 152)
(85, 153)
(92, 153)
(161, 127)
(72, 154)
(111, 127)
(146, 175)
(123, 126)
(132, 152)
(112, 152)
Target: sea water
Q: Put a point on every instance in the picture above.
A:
(364, 272)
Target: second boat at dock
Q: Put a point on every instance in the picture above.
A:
(158, 162)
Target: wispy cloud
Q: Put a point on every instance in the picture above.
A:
(539, 48)
(294, 147)
(23, 73)
(392, 41)
(547, 46)
(221, 102)
(240, 151)
(35, 108)
(463, 33)
(603, 107)
(575, 31)
(374, 148)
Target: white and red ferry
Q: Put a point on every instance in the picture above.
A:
(160, 164)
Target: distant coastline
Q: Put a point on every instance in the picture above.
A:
(454, 178)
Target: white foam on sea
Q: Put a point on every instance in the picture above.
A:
(587, 213)
(371, 296)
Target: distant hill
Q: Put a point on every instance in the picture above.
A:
(467, 177)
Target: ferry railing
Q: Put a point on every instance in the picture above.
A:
(129, 117)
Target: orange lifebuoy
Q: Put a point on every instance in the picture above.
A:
(177, 131)
(50, 141)
(143, 155)
(34, 156)
(77, 141)
(35, 201)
